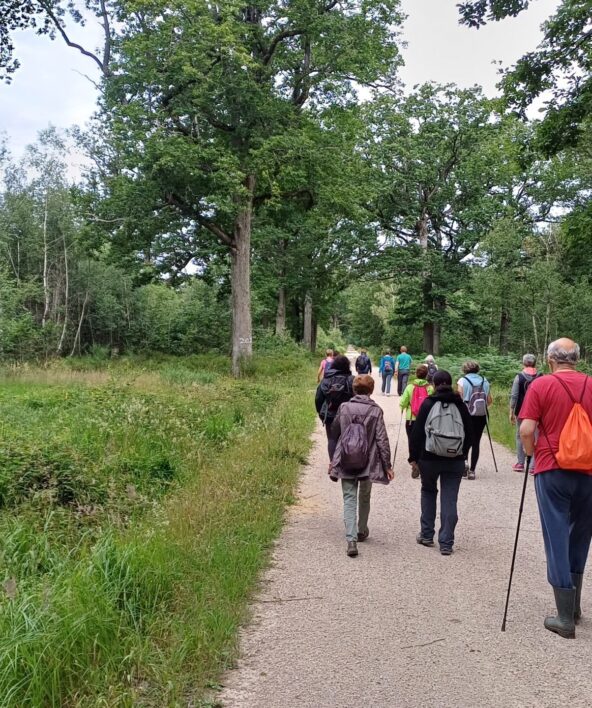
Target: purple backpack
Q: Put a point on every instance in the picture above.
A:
(354, 446)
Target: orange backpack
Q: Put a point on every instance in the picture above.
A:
(575, 440)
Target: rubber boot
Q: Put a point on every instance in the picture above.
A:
(576, 579)
(563, 623)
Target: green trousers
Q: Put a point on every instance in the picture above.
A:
(355, 513)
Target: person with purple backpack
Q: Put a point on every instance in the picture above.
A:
(475, 391)
(362, 457)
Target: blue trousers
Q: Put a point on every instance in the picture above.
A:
(565, 507)
(402, 379)
(386, 382)
(450, 473)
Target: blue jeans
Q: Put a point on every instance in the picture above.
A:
(450, 473)
(386, 382)
(353, 524)
(402, 379)
(565, 508)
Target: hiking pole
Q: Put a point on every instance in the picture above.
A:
(528, 459)
(398, 434)
(491, 444)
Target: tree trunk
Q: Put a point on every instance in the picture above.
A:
(308, 323)
(240, 279)
(280, 318)
(46, 293)
(79, 330)
(428, 337)
(504, 331)
(60, 349)
(428, 302)
(436, 339)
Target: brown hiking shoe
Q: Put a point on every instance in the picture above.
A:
(363, 536)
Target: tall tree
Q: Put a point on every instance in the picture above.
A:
(437, 158)
(209, 89)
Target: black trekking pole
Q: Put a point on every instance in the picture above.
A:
(490, 443)
(398, 434)
(528, 459)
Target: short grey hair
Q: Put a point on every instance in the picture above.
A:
(563, 355)
(529, 360)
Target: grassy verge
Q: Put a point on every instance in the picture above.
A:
(138, 502)
(501, 429)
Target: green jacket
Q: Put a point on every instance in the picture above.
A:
(405, 401)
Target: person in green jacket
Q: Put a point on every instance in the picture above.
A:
(411, 401)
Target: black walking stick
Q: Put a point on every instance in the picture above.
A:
(398, 433)
(528, 459)
(490, 443)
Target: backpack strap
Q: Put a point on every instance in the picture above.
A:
(573, 400)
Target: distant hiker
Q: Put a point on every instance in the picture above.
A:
(432, 367)
(363, 363)
(386, 369)
(402, 369)
(335, 389)
(362, 457)
(561, 406)
(519, 388)
(413, 396)
(327, 361)
(474, 389)
(440, 442)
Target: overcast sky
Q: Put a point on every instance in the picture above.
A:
(50, 86)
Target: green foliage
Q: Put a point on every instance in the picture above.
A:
(135, 515)
(559, 66)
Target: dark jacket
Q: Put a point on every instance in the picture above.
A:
(417, 449)
(326, 404)
(379, 451)
(363, 366)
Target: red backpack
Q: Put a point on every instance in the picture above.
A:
(420, 393)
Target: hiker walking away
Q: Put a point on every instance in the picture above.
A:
(386, 369)
(413, 396)
(326, 362)
(519, 388)
(475, 389)
(440, 442)
(335, 389)
(362, 458)
(402, 369)
(363, 363)
(432, 368)
(561, 406)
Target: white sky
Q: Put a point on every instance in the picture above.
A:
(50, 86)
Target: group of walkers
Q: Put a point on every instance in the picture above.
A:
(444, 424)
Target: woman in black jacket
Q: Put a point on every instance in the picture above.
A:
(335, 388)
(433, 466)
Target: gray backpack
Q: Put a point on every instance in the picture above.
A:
(444, 429)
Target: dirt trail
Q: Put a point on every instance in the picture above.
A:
(401, 626)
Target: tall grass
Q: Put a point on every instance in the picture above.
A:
(135, 513)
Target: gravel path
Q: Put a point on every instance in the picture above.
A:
(400, 625)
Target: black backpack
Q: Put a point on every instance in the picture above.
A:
(338, 392)
(362, 363)
(523, 385)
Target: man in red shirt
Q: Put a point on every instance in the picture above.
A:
(564, 496)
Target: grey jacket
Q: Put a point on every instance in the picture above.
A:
(379, 457)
